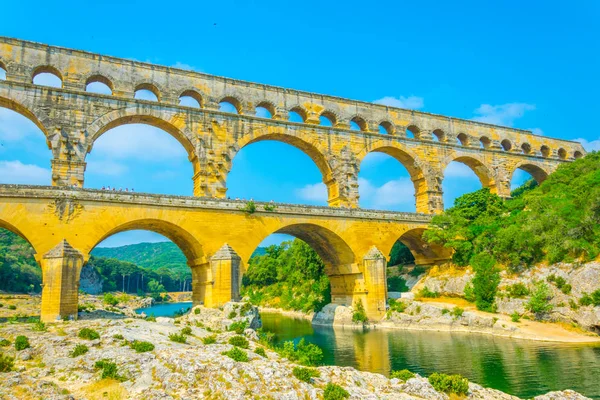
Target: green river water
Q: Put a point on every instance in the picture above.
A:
(522, 368)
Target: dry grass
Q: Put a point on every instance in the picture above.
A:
(456, 301)
(574, 328)
(447, 270)
(105, 389)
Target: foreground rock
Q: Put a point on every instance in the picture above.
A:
(184, 370)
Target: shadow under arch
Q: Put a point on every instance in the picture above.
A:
(316, 154)
(537, 172)
(189, 245)
(424, 253)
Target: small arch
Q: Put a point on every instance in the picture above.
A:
(265, 109)
(485, 142)
(190, 98)
(526, 148)
(328, 118)
(463, 139)
(47, 75)
(545, 150)
(297, 114)
(439, 135)
(146, 91)
(358, 123)
(506, 145)
(562, 153)
(386, 128)
(413, 131)
(577, 154)
(99, 84)
(230, 104)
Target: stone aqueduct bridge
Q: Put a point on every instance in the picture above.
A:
(63, 225)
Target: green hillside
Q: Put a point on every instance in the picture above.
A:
(152, 256)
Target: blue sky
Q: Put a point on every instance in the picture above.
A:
(531, 65)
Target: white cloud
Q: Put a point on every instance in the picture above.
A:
(410, 102)
(185, 66)
(316, 192)
(138, 142)
(397, 192)
(47, 79)
(458, 170)
(593, 145)
(537, 131)
(14, 127)
(503, 114)
(106, 167)
(373, 159)
(25, 174)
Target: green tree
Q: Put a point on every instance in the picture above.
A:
(155, 288)
(485, 282)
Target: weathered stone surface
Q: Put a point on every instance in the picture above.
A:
(90, 281)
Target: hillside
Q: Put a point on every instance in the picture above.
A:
(147, 255)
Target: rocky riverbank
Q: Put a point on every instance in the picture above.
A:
(51, 369)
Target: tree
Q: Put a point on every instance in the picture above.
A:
(155, 288)
(539, 302)
(486, 280)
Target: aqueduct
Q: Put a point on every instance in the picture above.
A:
(64, 223)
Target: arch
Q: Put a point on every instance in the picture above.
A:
(526, 148)
(3, 71)
(27, 111)
(416, 132)
(329, 116)
(234, 101)
(439, 134)
(537, 172)
(386, 128)
(478, 167)
(562, 153)
(300, 111)
(190, 247)
(463, 139)
(485, 142)
(577, 154)
(47, 69)
(361, 123)
(97, 78)
(424, 253)
(545, 150)
(149, 87)
(194, 95)
(506, 145)
(10, 227)
(267, 105)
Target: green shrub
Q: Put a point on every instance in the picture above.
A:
(250, 207)
(305, 374)
(238, 327)
(141, 346)
(566, 289)
(359, 314)
(151, 318)
(445, 311)
(22, 343)
(239, 341)
(110, 299)
(449, 383)
(177, 337)
(109, 369)
(590, 299)
(539, 301)
(12, 307)
(236, 354)
(416, 271)
(197, 311)
(186, 331)
(335, 392)
(4, 342)
(515, 317)
(6, 363)
(209, 339)
(397, 284)
(261, 351)
(307, 354)
(403, 375)
(457, 312)
(573, 304)
(517, 290)
(79, 349)
(397, 305)
(232, 315)
(118, 336)
(469, 292)
(39, 326)
(485, 281)
(427, 294)
(89, 334)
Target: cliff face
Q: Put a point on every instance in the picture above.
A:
(90, 281)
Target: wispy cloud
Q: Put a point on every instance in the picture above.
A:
(28, 174)
(458, 170)
(503, 114)
(410, 102)
(316, 192)
(593, 145)
(188, 67)
(392, 194)
(537, 131)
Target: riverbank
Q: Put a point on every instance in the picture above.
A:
(195, 367)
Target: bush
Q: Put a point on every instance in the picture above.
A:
(515, 317)
(305, 374)
(590, 299)
(457, 312)
(261, 351)
(398, 306)
(566, 289)
(239, 341)
(89, 334)
(397, 284)
(335, 392)
(12, 307)
(209, 339)
(197, 311)
(403, 375)
(4, 342)
(307, 354)
(232, 315)
(485, 282)
(22, 343)
(110, 299)
(151, 318)
(177, 337)
(250, 207)
(79, 350)
(109, 369)
(6, 363)
(469, 292)
(141, 346)
(449, 383)
(39, 326)
(539, 302)
(427, 294)
(517, 290)
(118, 336)
(238, 327)
(186, 331)
(359, 314)
(236, 354)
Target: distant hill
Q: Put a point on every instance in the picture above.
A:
(147, 255)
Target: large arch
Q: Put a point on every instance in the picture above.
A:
(28, 111)
(478, 167)
(537, 172)
(424, 253)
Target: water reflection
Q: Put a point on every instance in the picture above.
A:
(519, 367)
